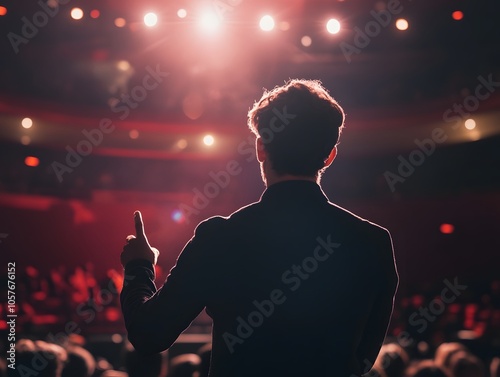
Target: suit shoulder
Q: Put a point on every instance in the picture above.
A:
(358, 222)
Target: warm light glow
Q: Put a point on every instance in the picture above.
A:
(25, 140)
(123, 65)
(120, 22)
(210, 21)
(3, 11)
(76, 14)
(27, 123)
(447, 228)
(284, 25)
(116, 338)
(133, 134)
(266, 23)
(457, 15)
(402, 24)
(150, 19)
(208, 140)
(470, 124)
(182, 13)
(306, 41)
(333, 26)
(31, 161)
(94, 13)
(182, 144)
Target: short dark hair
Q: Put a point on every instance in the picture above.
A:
(300, 124)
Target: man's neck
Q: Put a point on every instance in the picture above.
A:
(272, 178)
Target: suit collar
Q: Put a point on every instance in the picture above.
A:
(287, 190)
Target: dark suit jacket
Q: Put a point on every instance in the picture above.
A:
(296, 286)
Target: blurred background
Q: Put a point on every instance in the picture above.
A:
(111, 106)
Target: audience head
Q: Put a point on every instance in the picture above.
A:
(138, 365)
(464, 364)
(46, 359)
(205, 353)
(445, 351)
(184, 365)
(425, 368)
(80, 363)
(392, 359)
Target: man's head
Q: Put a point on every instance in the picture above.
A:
(297, 127)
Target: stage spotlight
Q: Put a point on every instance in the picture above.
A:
(120, 22)
(181, 13)
(27, 123)
(333, 26)
(76, 14)
(32, 161)
(150, 19)
(210, 21)
(402, 24)
(208, 140)
(470, 124)
(266, 23)
(306, 41)
(447, 228)
(457, 15)
(3, 11)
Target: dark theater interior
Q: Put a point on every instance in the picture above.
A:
(113, 106)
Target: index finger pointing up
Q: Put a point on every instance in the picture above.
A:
(139, 225)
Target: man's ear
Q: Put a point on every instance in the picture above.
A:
(331, 157)
(261, 152)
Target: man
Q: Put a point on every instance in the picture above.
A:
(295, 285)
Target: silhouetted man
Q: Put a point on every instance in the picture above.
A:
(295, 285)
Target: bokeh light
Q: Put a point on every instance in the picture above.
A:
(402, 24)
(446, 228)
(208, 140)
(470, 124)
(266, 23)
(150, 19)
(333, 26)
(178, 216)
(3, 11)
(31, 161)
(94, 13)
(182, 144)
(457, 15)
(210, 21)
(123, 65)
(76, 13)
(120, 22)
(306, 41)
(133, 134)
(25, 140)
(27, 123)
(181, 13)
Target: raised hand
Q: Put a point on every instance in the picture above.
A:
(137, 247)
